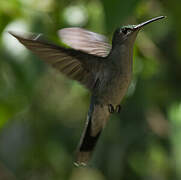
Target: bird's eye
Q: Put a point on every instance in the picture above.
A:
(125, 30)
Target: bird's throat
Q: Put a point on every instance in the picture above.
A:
(122, 58)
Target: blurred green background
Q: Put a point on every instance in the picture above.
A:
(42, 113)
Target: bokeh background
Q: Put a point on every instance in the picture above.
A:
(42, 113)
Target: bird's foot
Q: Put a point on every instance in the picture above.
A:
(111, 108)
(80, 164)
(118, 108)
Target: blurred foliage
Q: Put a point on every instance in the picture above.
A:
(42, 113)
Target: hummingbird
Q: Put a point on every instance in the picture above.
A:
(104, 69)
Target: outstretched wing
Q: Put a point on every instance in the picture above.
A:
(86, 41)
(75, 64)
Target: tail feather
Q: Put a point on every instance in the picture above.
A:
(87, 145)
(89, 141)
(96, 120)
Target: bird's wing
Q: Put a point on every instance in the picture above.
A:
(96, 120)
(86, 41)
(76, 65)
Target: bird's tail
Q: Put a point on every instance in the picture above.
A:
(87, 144)
(96, 119)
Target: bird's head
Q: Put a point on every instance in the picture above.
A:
(127, 34)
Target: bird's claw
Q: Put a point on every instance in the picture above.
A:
(110, 108)
(118, 108)
(79, 164)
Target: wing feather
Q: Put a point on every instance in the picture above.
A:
(74, 64)
(86, 41)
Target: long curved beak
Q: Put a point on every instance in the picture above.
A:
(139, 26)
